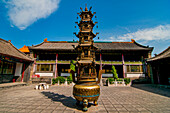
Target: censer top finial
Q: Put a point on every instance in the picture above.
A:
(86, 8)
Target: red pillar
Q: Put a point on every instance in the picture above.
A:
(100, 61)
(34, 64)
(23, 70)
(123, 63)
(101, 83)
(56, 70)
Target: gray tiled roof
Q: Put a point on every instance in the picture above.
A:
(121, 46)
(162, 55)
(54, 46)
(100, 45)
(8, 49)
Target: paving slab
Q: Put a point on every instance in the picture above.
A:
(59, 99)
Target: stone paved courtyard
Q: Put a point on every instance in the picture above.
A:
(59, 99)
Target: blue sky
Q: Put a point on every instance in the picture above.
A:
(29, 22)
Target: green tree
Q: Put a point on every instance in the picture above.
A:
(72, 67)
(114, 72)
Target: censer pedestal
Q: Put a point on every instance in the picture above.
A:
(86, 93)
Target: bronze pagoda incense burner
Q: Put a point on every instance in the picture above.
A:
(86, 88)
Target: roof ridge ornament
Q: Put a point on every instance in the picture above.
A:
(45, 40)
(132, 40)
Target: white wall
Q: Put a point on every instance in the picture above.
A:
(18, 69)
(135, 75)
(65, 74)
(107, 75)
(44, 74)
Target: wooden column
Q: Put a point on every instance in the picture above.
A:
(123, 63)
(23, 70)
(56, 69)
(157, 72)
(151, 73)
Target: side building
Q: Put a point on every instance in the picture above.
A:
(14, 64)
(53, 58)
(159, 68)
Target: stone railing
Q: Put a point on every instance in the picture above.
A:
(118, 83)
(65, 84)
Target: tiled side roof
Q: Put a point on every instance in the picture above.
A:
(54, 46)
(162, 55)
(121, 46)
(100, 45)
(24, 49)
(7, 48)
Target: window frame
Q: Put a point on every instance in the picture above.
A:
(39, 68)
(130, 67)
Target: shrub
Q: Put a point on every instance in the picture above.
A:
(119, 79)
(61, 80)
(111, 80)
(114, 72)
(127, 80)
(53, 81)
(69, 79)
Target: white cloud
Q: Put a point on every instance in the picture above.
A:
(161, 32)
(112, 38)
(157, 33)
(23, 13)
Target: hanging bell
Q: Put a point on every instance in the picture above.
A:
(98, 37)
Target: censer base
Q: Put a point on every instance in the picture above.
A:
(86, 93)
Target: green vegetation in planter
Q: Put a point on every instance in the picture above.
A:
(111, 80)
(69, 79)
(60, 79)
(119, 79)
(114, 72)
(127, 80)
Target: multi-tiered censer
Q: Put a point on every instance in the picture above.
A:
(86, 88)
